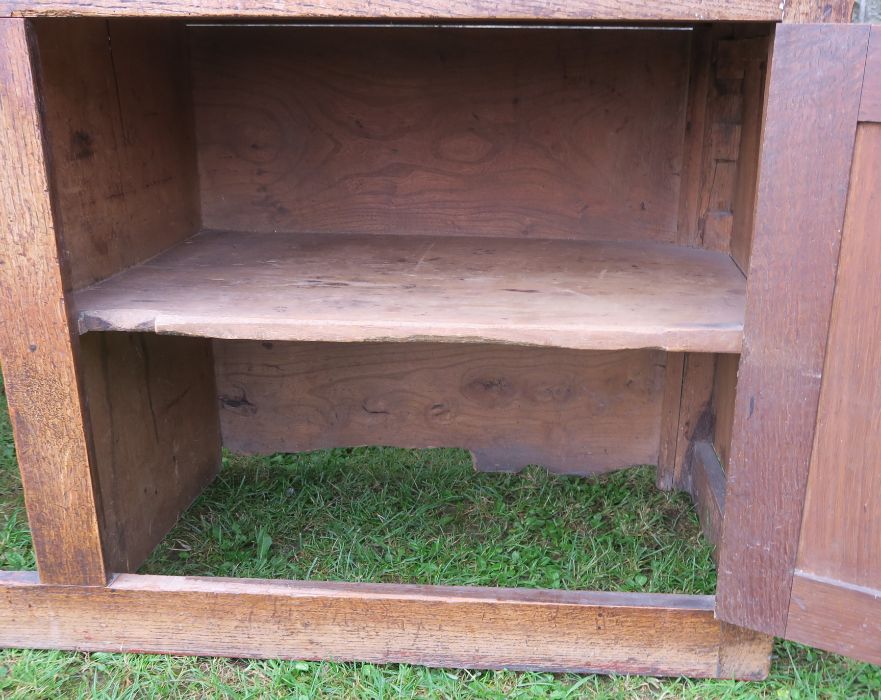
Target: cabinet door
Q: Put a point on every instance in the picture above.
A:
(801, 546)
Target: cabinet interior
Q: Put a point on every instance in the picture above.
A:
(531, 243)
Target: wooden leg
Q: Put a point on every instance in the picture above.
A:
(37, 348)
(665, 635)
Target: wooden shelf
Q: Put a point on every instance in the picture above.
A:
(339, 287)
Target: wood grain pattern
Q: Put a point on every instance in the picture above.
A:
(870, 104)
(572, 412)
(119, 129)
(37, 351)
(670, 407)
(744, 653)
(813, 101)
(156, 435)
(835, 616)
(577, 294)
(383, 623)
(526, 133)
(685, 10)
(818, 10)
(841, 525)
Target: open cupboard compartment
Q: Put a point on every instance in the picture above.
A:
(531, 243)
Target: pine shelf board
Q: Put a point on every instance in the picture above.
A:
(347, 288)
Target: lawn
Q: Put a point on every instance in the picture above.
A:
(418, 516)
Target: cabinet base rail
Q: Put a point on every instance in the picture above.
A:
(447, 626)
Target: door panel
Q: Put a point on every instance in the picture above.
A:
(813, 100)
(838, 569)
(801, 549)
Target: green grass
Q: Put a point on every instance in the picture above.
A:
(421, 517)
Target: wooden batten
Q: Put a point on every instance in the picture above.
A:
(837, 616)
(668, 635)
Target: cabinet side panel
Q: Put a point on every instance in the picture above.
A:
(36, 346)
(570, 411)
(813, 100)
(119, 132)
(570, 133)
(122, 170)
(155, 431)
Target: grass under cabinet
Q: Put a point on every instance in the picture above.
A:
(421, 517)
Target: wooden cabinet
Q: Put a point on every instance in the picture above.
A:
(501, 227)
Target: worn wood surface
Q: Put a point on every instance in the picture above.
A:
(527, 133)
(841, 526)
(832, 615)
(119, 130)
(707, 488)
(429, 625)
(685, 10)
(577, 294)
(742, 652)
(154, 426)
(570, 411)
(36, 347)
(816, 75)
(818, 10)
(870, 104)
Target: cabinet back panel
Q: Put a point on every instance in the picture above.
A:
(555, 133)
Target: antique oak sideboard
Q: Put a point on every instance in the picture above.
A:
(583, 234)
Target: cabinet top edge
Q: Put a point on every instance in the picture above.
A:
(404, 10)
